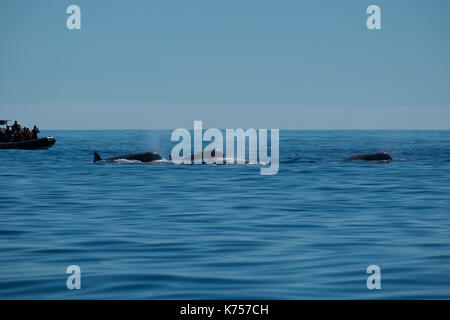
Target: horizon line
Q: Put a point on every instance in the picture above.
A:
(166, 129)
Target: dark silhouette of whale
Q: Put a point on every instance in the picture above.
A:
(379, 156)
(143, 157)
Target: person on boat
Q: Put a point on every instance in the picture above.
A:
(26, 134)
(13, 136)
(35, 132)
(16, 127)
(20, 136)
(7, 134)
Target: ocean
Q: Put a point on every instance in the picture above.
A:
(165, 231)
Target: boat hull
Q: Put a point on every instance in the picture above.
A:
(35, 144)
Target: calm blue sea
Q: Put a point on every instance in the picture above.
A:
(161, 231)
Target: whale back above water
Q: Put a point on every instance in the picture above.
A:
(142, 157)
(379, 156)
(207, 157)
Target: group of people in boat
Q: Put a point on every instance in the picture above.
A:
(17, 133)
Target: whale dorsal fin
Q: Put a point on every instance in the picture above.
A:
(97, 157)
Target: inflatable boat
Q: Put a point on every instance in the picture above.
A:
(29, 144)
(41, 143)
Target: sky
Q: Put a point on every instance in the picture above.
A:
(162, 64)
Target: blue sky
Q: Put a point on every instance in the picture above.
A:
(271, 64)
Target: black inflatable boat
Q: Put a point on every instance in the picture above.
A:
(42, 143)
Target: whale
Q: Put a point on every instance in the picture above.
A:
(379, 156)
(209, 155)
(142, 157)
